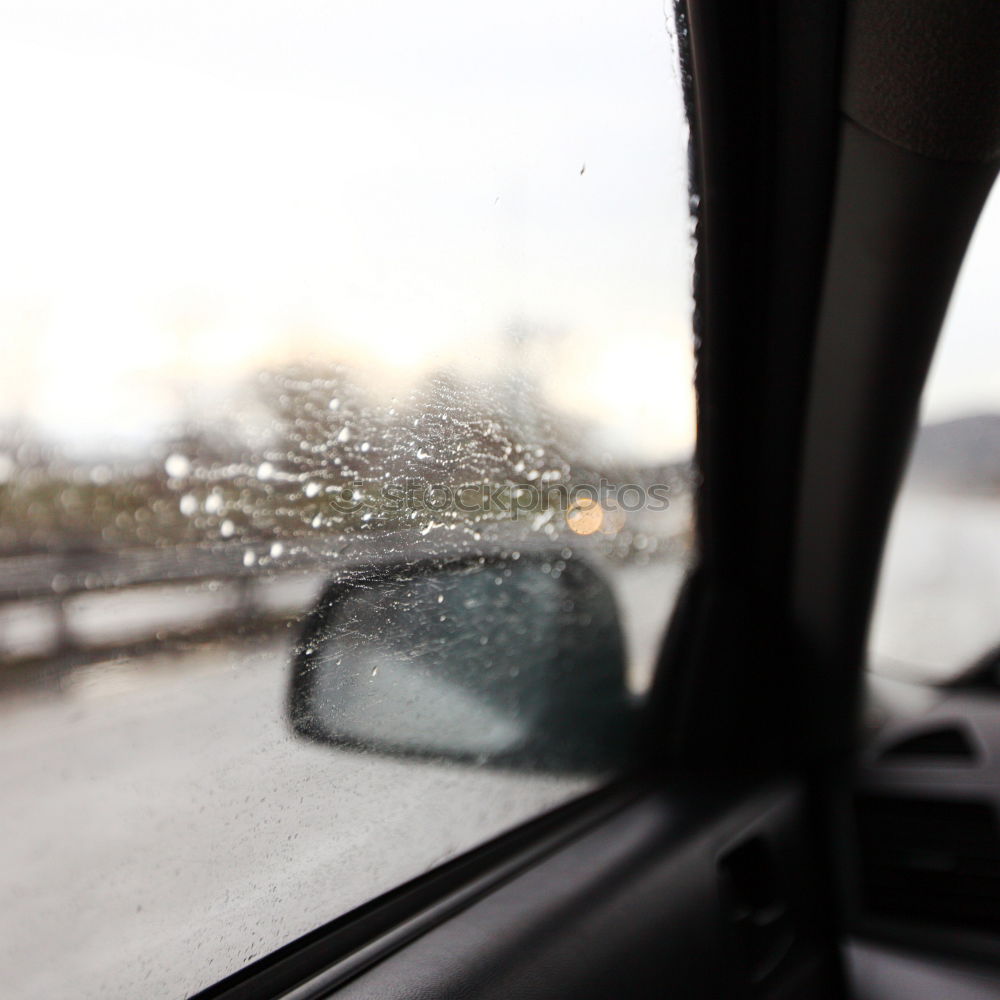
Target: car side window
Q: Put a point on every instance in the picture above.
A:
(937, 614)
(345, 438)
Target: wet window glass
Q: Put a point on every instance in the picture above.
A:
(346, 420)
(938, 609)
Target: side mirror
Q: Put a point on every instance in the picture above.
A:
(510, 661)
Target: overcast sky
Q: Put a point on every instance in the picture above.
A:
(195, 189)
(965, 377)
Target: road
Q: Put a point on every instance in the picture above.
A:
(162, 828)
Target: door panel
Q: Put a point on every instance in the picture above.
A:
(683, 893)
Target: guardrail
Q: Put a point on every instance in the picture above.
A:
(60, 609)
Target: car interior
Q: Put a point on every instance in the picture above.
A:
(774, 818)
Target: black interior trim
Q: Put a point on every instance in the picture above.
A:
(766, 83)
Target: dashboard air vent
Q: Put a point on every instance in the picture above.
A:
(946, 743)
(930, 860)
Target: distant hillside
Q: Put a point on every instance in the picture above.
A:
(961, 455)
